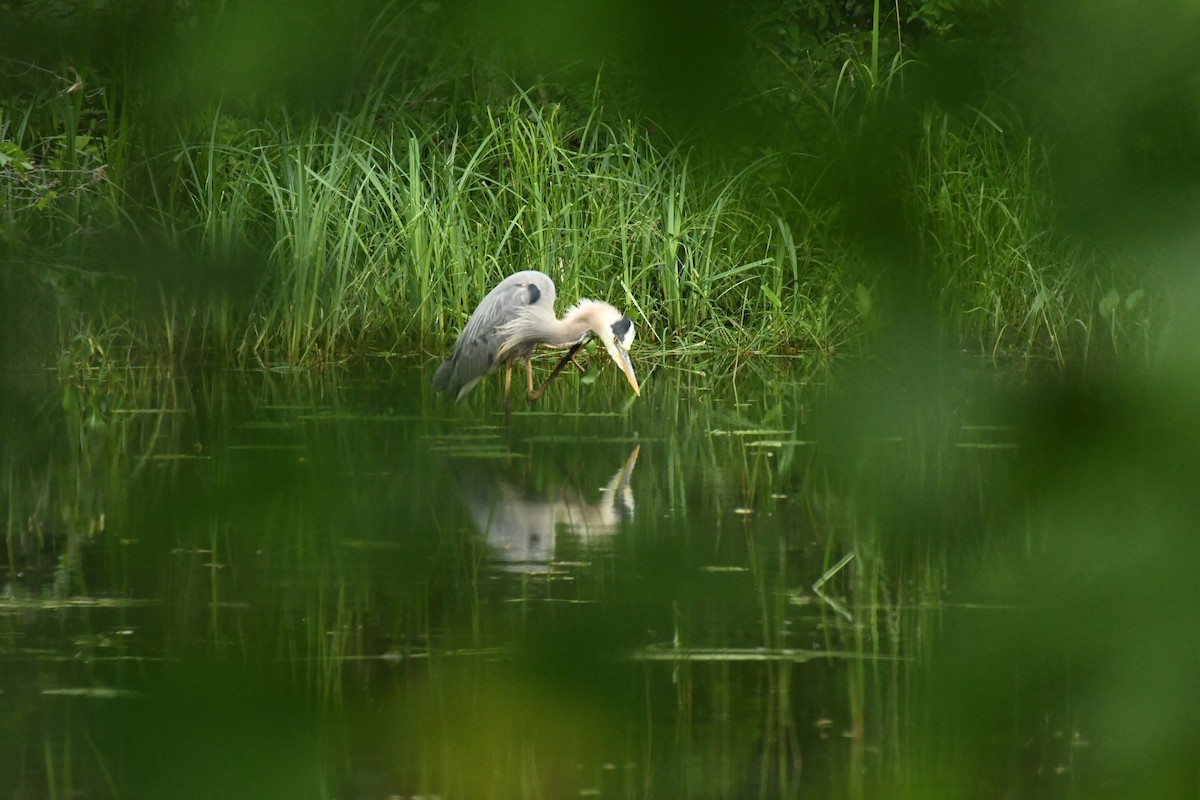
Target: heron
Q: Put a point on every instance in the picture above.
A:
(516, 317)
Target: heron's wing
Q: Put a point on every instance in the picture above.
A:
(478, 345)
(480, 341)
(499, 308)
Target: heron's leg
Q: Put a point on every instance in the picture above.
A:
(569, 358)
(507, 386)
(529, 377)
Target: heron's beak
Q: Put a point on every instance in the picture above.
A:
(621, 356)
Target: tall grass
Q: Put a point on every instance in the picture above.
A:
(390, 235)
(1005, 282)
(315, 237)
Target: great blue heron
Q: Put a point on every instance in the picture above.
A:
(516, 317)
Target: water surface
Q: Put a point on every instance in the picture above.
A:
(766, 583)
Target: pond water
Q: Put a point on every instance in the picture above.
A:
(763, 582)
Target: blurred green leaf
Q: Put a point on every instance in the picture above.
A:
(1109, 302)
(10, 154)
(863, 295)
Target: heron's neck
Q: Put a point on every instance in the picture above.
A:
(576, 323)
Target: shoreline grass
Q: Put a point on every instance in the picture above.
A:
(307, 238)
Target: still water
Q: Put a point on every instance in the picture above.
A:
(763, 582)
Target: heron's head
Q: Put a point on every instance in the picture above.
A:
(615, 332)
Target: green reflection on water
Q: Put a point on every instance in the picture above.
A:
(328, 584)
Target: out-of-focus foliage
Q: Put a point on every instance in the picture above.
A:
(298, 182)
(797, 21)
(941, 163)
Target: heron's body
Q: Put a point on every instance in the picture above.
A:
(516, 317)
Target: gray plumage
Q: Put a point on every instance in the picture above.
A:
(477, 347)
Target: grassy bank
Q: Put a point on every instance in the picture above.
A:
(377, 234)
(311, 236)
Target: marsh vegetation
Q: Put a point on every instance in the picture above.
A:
(162, 205)
(905, 509)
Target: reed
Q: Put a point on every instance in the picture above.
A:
(389, 236)
(311, 237)
(1004, 281)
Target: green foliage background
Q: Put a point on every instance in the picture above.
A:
(298, 182)
(304, 183)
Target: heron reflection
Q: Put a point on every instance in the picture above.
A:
(522, 528)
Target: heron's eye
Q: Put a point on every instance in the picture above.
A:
(534, 293)
(622, 330)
